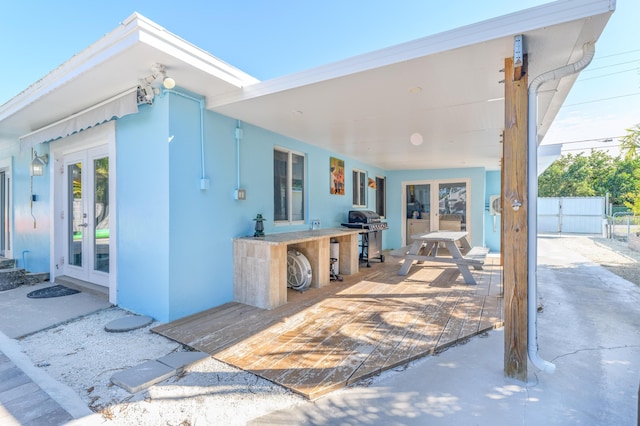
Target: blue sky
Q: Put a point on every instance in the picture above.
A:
(271, 38)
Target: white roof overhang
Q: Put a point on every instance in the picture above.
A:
(114, 65)
(445, 87)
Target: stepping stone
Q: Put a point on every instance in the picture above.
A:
(179, 360)
(142, 376)
(128, 323)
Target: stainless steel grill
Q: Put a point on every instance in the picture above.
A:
(371, 235)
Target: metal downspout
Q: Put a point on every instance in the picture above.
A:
(532, 283)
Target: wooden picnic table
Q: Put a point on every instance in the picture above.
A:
(425, 249)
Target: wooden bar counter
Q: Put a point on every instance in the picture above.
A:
(260, 263)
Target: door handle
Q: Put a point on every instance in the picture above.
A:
(84, 225)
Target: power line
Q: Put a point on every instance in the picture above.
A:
(602, 99)
(607, 75)
(612, 65)
(605, 139)
(616, 54)
(591, 147)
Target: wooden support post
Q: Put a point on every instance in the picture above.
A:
(502, 207)
(514, 222)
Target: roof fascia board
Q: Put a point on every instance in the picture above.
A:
(136, 28)
(555, 13)
(173, 45)
(199, 59)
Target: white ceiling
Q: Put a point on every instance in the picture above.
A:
(445, 87)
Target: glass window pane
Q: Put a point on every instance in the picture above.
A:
(280, 196)
(363, 189)
(355, 192)
(297, 187)
(381, 201)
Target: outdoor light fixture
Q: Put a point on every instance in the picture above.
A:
(168, 83)
(416, 139)
(159, 70)
(38, 163)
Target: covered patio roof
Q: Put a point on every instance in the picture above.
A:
(446, 87)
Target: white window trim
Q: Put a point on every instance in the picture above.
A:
(360, 203)
(290, 153)
(6, 166)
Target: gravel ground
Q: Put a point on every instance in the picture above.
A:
(82, 355)
(614, 255)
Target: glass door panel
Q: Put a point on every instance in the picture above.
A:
(418, 201)
(77, 218)
(418, 210)
(452, 206)
(101, 214)
(3, 214)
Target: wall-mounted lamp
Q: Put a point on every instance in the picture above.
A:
(38, 163)
(159, 70)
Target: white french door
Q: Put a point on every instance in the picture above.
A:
(436, 205)
(86, 215)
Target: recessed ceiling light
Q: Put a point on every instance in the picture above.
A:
(296, 112)
(416, 139)
(415, 90)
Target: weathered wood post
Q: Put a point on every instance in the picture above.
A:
(514, 220)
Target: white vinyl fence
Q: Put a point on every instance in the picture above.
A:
(574, 215)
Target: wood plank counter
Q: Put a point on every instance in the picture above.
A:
(260, 263)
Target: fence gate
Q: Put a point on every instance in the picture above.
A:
(579, 215)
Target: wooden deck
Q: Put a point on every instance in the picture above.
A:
(327, 338)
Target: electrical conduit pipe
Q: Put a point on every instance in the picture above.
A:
(200, 102)
(532, 220)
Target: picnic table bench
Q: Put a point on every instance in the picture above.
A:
(425, 249)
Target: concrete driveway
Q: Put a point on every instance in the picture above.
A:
(589, 328)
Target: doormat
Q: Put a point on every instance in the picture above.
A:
(54, 291)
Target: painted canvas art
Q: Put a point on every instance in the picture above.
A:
(336, 176)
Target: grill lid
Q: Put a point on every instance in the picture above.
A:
(363, 216)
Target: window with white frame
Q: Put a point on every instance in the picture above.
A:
(381, 196)
(359, 188)
(288, 186)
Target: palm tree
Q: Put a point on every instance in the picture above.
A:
(631, 143)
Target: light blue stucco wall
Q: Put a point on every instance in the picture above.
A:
(257, 177)
(30, 231)
(394, 199)
(142, 153)
(492, 233)
(175, 250)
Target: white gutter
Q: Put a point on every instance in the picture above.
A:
(532, 283)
